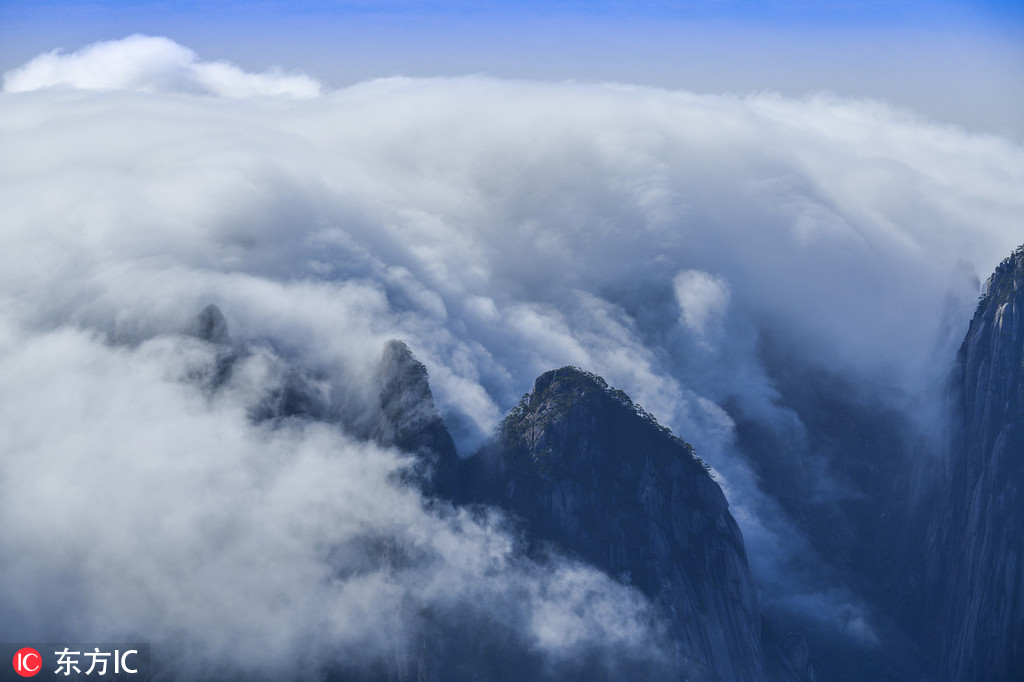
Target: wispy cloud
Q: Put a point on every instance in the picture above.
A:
(152, 64)
(661, 239)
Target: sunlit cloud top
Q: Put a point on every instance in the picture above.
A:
(954, 61)
(151, 64)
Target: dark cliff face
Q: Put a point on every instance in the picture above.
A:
(404, 414)
(936, 540)
(594, 474)
(977, 541)
(409, 420)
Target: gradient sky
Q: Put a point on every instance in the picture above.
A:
(953, 60)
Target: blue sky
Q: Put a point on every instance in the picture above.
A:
(955, 61)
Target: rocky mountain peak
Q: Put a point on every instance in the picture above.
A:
(405, 399)
(978, 552)
(575, 383)
(1007, 278)
(566, 377)
(593, 473)
(209, 325)
(569, 398)
(404, 385)
(991, 361)
(409, 419)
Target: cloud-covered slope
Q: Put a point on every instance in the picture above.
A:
(662, 239)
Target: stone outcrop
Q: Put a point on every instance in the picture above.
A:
(976, 550)
(409, 419)
(593, 473)
(590, 474)
(209, 325)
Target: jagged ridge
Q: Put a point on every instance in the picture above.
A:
(977, 556)
(592, 472)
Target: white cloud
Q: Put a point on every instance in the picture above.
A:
(151, 64)
(703, 301)
(500, 228)
(135, 506)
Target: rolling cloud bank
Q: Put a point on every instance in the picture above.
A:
(692, 249)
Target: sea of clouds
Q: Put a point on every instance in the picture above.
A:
(501, 229)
